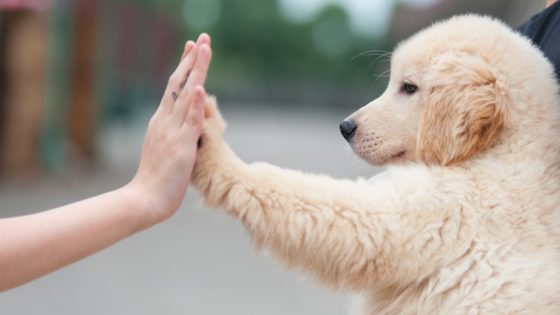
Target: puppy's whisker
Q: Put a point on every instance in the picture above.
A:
(382, 58)
(372, 53)
(368, 53)
(384, 74)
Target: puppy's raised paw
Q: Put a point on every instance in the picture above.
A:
(213, 154)
(214, 124)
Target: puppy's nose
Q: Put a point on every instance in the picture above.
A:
(348, 128)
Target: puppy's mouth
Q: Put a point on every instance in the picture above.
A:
(382, 159)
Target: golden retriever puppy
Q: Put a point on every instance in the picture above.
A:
(465, 220)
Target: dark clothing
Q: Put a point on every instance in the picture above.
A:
(544, 30)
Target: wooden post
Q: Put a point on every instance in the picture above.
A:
(81, 119)
(23, 86)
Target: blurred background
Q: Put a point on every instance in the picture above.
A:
(80, 79)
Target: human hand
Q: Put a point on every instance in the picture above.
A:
(34, 245)
(170, 145)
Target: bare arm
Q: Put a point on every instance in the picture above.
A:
(351, 234)
(34, 245)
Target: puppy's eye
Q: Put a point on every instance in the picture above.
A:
(409, 88)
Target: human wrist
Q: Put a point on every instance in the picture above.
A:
(141, 205)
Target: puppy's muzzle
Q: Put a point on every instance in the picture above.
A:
(348, 129)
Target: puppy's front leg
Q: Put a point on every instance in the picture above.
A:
(347, 233)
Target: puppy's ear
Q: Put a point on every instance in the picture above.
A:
(464, 109)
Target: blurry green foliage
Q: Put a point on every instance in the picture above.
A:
(260, 54)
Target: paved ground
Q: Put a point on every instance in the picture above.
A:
(200, 261)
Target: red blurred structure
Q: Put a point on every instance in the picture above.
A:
(22, 84)
(64, 64)
(39, 5)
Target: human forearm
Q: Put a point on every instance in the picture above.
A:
(34, 245)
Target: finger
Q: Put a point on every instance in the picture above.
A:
(195, 116)
(197, 77)
(188, 46)
(200, 70)
(183, 69)
(204, 38)
(184, 105)
(176, 80)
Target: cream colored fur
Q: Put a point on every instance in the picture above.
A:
(467, 223)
